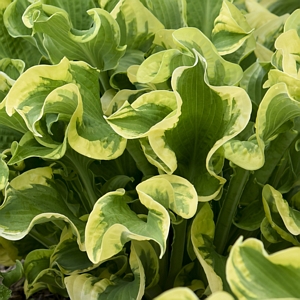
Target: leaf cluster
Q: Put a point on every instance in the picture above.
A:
(150, 149)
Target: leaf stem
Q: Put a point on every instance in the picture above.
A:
(178, 247)
(91, 196)
(229, 206)
(40, 238)
(104, 81)
(80, 164)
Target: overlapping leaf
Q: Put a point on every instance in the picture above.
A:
(39, 275)
(16, 47)
(137, 24)
(153, 111)
(61, 103)
(9, 278)
(118, 77)
(250, 270)
(284, 219)
(85, 285)
(174, 19)
(66, 253)
(33, 198)
(98, 45)
(112, 223)
(198, 16)
(280, 8)
(267, 26)
(8, 252)
(232, 33)
(202, 234)
(277, 104)
(194, 85)
(183, 109)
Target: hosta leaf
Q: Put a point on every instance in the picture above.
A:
(277, 104)
(280, 209)
(29, 147)
(134, 148)
(164, 40)
(111, 101)
(12, 67)
(117, 182)
(12, 276)
(66, 253)
(273, 216)
(252, 82)
(250, 216)
(197, 137)
(116, 223)
(173, 192)
(150, 262)
(99, 45)
(118, 77)
(256, 10)
(5, 84)
(189, 277)
(232, 31)
(77, 10)
(220, 295)
(250, 211)
(13, 21)
(9, 128)
(202, 235)
(175, 18)
(250, 270)
(14, 47)
(286, 57)
(15, 121)
(159, 66)
(178, 293)
(137, 24)
(156, 110)
(267, 28)
(269, 232)
(108, 4)
(89, 132)
(5, 293)
(87, 286)
(158, 152)
(293, 22)
(39, 275)
(219, 72)
(4, 172)
(279, 8)
(8, 252)
(122, 169)
(66, 97)
(115, 266)
(35, 199)
(202, 14)
(47, 78)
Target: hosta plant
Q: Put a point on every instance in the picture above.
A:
(150, 149)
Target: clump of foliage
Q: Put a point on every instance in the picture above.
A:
(150, 149)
